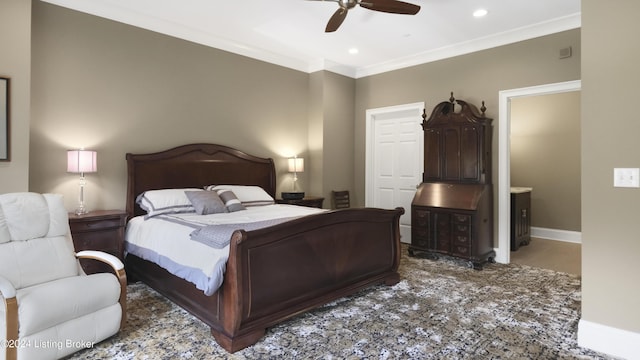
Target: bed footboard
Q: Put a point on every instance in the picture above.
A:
(278, 272)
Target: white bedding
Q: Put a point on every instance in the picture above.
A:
(165, 240)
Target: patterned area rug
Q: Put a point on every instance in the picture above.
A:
(439, 310)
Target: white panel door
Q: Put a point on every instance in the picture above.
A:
(394, 159)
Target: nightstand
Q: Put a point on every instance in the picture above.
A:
(98, 230)
(309, 201)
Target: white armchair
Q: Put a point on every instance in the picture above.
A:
(50, 308)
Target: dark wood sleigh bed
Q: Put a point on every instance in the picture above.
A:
(273, 273)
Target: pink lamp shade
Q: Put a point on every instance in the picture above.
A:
(82, 161)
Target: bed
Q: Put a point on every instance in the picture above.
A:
(272, 273)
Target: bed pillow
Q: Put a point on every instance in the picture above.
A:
(206, 202)
(249, 195)
(230, 200)
(165, 201)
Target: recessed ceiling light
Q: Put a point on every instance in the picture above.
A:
(353, 51)
(480, 13)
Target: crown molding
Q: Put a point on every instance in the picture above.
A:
(303, 63)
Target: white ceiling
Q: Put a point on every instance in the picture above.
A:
(291, 33)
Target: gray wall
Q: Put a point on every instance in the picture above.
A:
(610, 128)
(545, 155)
(339, 99)
(331, 133)
(15, 61)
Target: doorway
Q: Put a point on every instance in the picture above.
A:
(393, 159)
(504, 157)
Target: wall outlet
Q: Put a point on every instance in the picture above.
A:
(626, 177)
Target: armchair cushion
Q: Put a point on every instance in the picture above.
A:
(71, 336)
(31, 215)
(40, 248)
(65, 299)
(31, 262)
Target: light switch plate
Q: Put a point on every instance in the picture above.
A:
(626, 177)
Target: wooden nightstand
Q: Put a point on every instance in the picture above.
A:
(98, 230)
(309, 201)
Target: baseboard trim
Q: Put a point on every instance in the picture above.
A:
(555, 234)
(609, 340)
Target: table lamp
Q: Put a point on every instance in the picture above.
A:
(296, 165)
(82, 161)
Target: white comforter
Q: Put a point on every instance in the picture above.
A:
(165, 240)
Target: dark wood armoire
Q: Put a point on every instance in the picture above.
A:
(452, 210)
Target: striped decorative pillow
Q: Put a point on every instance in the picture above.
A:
(230, 200)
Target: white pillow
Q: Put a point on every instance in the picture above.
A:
(249, 195)
(165, 201)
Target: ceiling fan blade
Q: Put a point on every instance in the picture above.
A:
(336, 20)
(390, 6)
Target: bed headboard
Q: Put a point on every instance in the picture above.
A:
(195, 165)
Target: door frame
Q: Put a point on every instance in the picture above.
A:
(503, 252)
(370, 118)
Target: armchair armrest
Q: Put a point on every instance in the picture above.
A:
(113, 261)
(8, 293)
(6, 288)
(118, 267)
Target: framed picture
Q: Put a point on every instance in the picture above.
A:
(4, 120)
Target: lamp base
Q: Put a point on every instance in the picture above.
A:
(81, 210)
(292, 195)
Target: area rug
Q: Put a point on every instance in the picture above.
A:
(441, 309)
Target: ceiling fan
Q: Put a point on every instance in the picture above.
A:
(388, 6)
